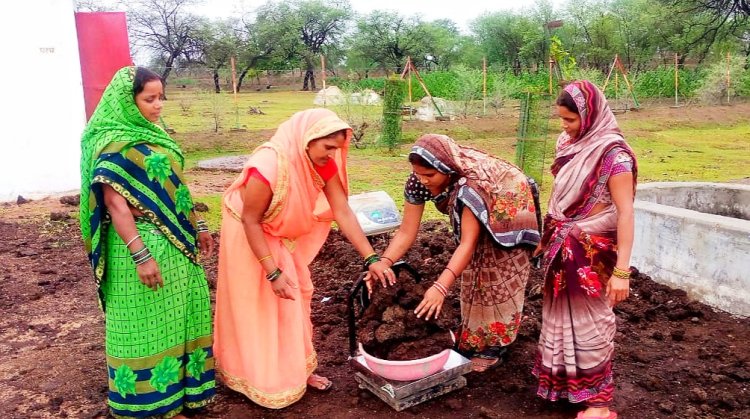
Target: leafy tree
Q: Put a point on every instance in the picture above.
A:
(441, 43)
(164, 27)
(214, 44)
(268, 39)
(386, 38)
(319, 24)
(510, 40)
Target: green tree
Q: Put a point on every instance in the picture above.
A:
(385, 38)
(268, 39)
(510, 40)
(163, 27)
(214, 44)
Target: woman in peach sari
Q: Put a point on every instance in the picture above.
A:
(277, 215)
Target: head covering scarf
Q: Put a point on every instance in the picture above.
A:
(578, 167)
(497, 192)
(121, 148)
(298, 207)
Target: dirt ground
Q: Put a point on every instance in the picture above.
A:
(674, 357)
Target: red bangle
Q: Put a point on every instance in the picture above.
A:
(451, 271)
(441, 288)
(388, 259)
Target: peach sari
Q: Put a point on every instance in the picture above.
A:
(263, 344)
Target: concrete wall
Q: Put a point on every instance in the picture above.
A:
(730, 200)
(705, 254)
(42, 108)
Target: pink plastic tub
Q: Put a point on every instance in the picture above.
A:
(406, 370)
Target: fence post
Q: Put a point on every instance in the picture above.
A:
(676, 79)
(484, 85)
(550, 75)
(323, 70)
(729, 69)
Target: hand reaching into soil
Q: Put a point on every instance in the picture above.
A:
(381, 271)
(431, 304)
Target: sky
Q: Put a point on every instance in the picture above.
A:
(461, 12)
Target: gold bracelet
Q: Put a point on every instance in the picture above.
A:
(264, 258)
(621, 273)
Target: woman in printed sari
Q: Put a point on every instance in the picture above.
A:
(142, 238)
(492, 209)
(587, 240)
(277, 215)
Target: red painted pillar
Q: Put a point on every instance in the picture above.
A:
(103, 49)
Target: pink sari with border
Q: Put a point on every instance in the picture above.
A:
(576, 344)
(263, 344)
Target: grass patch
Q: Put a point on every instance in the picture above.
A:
(678, 147)
(712, 154)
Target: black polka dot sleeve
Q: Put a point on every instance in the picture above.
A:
(414, 192)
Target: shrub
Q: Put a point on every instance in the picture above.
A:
(714, 88)
(392, 102)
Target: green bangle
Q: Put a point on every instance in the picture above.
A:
(371, 259)
(274, 275)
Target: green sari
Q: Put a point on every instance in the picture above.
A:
(158, 343)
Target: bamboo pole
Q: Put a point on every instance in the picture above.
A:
(484, 85)
(611, 69)
(551, 61)
(625, 78)
(729, 75)
(234, 92)
(676, 79)
(408, 69)
(323, 71)
(617, 86)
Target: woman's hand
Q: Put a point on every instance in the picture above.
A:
(382, 271)
(431, 304)
(538, 251)
(618, 290)
(206, 244)
(149, 274)
(283, 287)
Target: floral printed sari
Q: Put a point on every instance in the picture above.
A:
(576, 346)
(502, 199)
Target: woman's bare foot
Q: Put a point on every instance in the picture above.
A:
(319, 382)
(595, 412)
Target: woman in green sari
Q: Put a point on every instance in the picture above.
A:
(142, 238)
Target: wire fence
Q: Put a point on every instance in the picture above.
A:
(681, 81)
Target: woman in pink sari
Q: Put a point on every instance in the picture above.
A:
(277, 215)
(587, 241)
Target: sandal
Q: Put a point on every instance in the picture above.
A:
(494, 355)
(318, 380)
(492, 362)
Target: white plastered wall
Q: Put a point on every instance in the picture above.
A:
(42, 112)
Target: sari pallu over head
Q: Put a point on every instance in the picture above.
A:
(299, 212)
(581, 170)
(498, 193)
(137, 158)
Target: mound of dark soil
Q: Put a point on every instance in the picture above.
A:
(675, 357)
